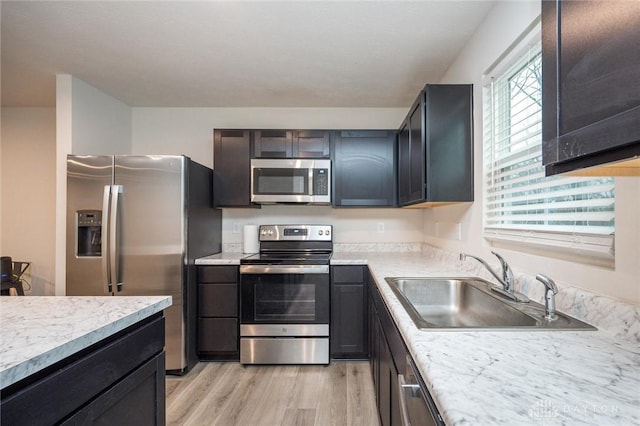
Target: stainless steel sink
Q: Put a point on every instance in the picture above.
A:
(467, 303)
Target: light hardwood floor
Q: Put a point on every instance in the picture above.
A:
(227, 394)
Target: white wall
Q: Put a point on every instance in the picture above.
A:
(27, 169)
(503, 25)
(88, 121)
(189, 131)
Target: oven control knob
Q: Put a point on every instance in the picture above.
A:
(320, 232)
(327, 232)
(270, 232)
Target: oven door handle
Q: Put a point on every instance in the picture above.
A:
(283, 269)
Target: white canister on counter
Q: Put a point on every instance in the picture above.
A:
(250, 239)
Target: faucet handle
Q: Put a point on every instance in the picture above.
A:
(507, 274)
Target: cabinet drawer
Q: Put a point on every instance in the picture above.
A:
(347, 274)
(218, 300)
(218, 274)
(218, 335)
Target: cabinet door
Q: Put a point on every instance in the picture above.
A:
(311, 144)
(449, 142)
(591, 88)
(363, 171)
(404, 168)
(417, 152)
(138, 399)
(385, 381)
(232, 168)
(349, 317)
(411, 152)
(273, 143)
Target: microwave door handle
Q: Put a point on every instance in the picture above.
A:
(311, 180)
(114, 249)
(105, 237)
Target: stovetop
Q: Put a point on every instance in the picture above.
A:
(293, 245)
(287, 258)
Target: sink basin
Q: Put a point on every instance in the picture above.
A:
(468, 303)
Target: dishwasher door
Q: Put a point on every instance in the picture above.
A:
(416, 406)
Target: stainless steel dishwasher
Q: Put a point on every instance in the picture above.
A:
(416, 406)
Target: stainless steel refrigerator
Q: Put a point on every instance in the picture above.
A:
(135, 225)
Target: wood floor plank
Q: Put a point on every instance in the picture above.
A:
(229, 394)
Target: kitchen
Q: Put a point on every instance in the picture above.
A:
(163, 129)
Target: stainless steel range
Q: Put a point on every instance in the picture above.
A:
(284, 296)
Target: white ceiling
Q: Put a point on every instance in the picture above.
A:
(234, 53)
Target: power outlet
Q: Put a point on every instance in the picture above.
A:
(380, 229)
(235, 228)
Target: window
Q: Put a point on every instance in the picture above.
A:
(521, 205)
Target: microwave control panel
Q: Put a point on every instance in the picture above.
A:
(320, 182)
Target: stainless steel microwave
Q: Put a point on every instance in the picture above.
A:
(291, 180)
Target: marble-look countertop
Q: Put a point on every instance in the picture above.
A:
(515, 378)
(224, 258)
(38, 331)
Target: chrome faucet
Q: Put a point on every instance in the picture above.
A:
(507, 280)
(549, 296)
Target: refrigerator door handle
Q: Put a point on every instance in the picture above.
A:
(104, 245)
(114, 249)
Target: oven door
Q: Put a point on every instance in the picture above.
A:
(284, 300)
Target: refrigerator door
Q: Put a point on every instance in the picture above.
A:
(87, 177)
(151, 232)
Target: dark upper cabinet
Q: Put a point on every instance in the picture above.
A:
(590, 83)
(311, 144)
(291, 144)
(435, 147)
(273, 143)
(232, 168)
(364, 168)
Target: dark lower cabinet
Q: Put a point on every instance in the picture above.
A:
(364, 168)
(590, 83)
(218, 323)
(120, 380)
(349, 317)
(389, 359)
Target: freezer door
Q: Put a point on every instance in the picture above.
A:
(87, 177)
(151, 238)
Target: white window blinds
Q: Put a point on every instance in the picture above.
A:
(521, 205)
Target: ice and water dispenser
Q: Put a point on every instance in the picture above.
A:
(89, 233)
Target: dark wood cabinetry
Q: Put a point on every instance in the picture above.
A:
(232, 168)
(291, 143)
(435, 147)
(388, 359)
(364, 168)
(590, 84)
(120, 380)
(349, 317)
(384, 339)
(218, 325)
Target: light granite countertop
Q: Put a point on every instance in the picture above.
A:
(516, 378)
(38, 331)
